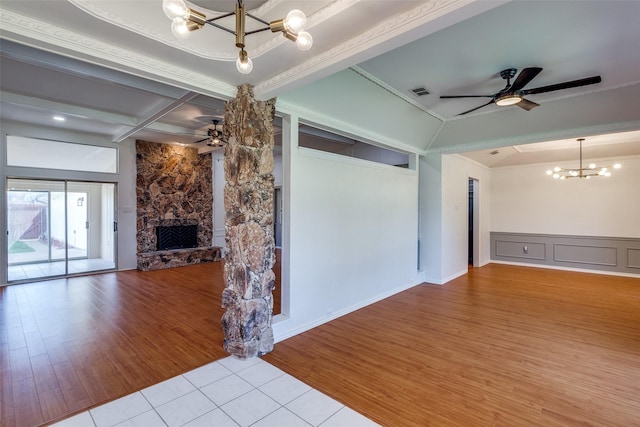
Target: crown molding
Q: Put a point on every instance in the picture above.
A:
(360, 48)
(38, 34)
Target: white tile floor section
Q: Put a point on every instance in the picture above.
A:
(228, 392)
(56, 268)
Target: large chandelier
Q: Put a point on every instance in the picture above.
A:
(185, 20)
(582, 172)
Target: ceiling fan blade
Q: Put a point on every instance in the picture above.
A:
(565, 85)
(477, 108)
(525, 104)
(466, 96)
(525, 76)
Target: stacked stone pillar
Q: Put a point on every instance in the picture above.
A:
(248, 202)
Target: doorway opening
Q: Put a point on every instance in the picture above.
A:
(59, 228)
(474, 223)
(277, 236)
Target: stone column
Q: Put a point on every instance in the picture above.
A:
(248, 202)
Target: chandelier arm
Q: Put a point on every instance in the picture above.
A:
(262, 21)
(213, 24)
(220, 17)
(256, 31)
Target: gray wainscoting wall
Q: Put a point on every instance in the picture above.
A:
(613, 254)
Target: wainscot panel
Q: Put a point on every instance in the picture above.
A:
(612, 254)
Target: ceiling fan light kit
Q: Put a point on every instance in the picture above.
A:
(514, 94)
(185, 20)
(508, 99)
(214, 136)
(582, 172)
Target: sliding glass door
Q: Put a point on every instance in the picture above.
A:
(59, 228)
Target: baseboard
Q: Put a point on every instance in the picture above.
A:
(280, 333)
(442, 281)
(577, 270)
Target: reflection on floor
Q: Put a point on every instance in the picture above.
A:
(228, 392)
(56, 268)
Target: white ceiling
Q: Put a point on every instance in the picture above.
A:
(113, 67)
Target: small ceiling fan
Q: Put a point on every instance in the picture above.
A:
(513, 94)
(214, 136)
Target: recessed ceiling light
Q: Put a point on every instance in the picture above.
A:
(59, 118)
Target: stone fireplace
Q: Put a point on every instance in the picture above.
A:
(174, 193)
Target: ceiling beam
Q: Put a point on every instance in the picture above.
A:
(156, 115)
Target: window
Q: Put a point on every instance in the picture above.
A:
(318, 139)
(42, 153)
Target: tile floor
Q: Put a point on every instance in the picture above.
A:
(228, 392)
(56, 268)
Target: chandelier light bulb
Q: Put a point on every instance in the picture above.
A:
(179, 28)
(549, 172)
(617, 166)
(296, 21)
(557, 169)
(563, 177)
(244, 65)
(304, 41)
(592, 165)
(573, 173)
(175, 9)
(607, 174)
(556, 176)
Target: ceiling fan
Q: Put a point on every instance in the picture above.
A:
(513, 94)
(214, 136)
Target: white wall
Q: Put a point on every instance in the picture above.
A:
(431, 217)
(524, 199)
(127, 205)
(352, 236)
(444, 215)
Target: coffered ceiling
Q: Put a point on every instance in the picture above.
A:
(114, 68)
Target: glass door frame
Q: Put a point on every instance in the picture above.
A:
(104, 188)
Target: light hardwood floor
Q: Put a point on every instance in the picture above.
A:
(502, 345)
